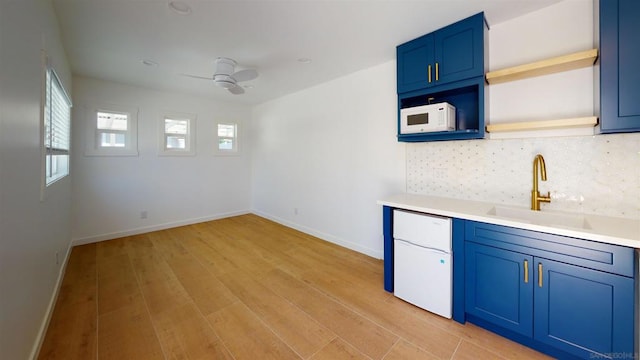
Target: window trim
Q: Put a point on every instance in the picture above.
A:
(92, 145)
(190, 137)
(236, 149)
(47, 150)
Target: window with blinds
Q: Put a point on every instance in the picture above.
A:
(57, 129)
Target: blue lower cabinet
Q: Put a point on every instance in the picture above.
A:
(534, 288)
(497, 289)
(584, 312)
(387, 232)
(569, 298)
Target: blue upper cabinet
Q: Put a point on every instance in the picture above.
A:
(415, 64)
(453, 53)
(447, 65)
(619, 59)
(460, 50)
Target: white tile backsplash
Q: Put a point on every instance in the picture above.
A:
(587, 174)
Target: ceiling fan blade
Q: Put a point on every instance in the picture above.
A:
(245, 75)
(198, 77)
(236, 90)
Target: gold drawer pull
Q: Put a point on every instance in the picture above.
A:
(429, 72)
(526, 271)
(539, 274)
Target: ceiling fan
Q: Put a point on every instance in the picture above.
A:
(226, 78)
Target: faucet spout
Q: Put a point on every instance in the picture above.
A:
(536, 198)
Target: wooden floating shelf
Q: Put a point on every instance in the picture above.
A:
(544, 67)
(544, 124)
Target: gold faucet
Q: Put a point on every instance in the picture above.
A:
(536, 198)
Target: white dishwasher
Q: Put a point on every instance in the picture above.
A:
(422, 260)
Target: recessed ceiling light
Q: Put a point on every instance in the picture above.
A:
(148, 62)
(304, 60)
(180, 7)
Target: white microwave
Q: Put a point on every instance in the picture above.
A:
(428, 118)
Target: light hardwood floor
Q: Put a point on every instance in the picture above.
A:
(245, 288)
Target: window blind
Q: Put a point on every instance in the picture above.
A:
(57, 128)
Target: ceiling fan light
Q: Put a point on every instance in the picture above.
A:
(225, 84)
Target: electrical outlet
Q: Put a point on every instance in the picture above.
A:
(143, 214)
(295, 211)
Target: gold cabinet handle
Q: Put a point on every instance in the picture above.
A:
(539, 274)
(526, 271)
(437, 72)
(429, 72)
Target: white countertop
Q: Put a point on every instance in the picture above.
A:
(610, 230)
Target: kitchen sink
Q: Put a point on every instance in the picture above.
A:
(545, 218)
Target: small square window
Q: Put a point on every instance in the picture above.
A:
(113, 130)
(177, 135)
(227, 142)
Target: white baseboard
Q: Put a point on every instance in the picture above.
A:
(324, 236)
(35, 351)
(319, 234)
(146, 229)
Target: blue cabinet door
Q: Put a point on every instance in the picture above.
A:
(576, 302)
(619, 59)
(498, 287)
(582, 311)
(460, 50)
(453, 53)
(415, 60)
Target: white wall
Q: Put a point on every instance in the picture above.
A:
(31, 230)
(590, 174)
(109, 193)
(330, 152)
(560, 29)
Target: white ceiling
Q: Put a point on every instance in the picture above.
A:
(108, 39)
